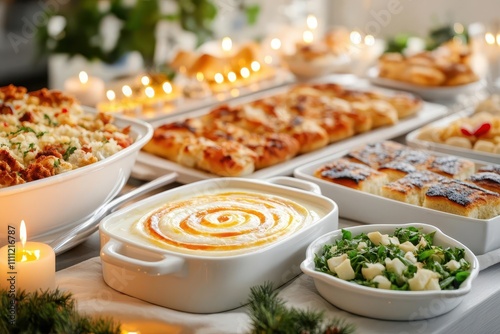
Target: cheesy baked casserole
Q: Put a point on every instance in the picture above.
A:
(45, 133)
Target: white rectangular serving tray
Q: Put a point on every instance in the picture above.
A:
(413, 141)
(149, 166)
(480, 235)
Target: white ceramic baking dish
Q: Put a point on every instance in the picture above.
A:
(206, 282)
(480, 235)
(55, 204)
(413, 141)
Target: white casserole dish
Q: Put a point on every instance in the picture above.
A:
(58, 203)
(413, 141)
(387, 304)
(480, 235)
(206, 282)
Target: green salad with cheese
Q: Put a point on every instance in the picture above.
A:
(406, 260)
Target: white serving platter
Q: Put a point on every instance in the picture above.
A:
(413, 141)
(149, 166)
(427, 93)
(480, 235)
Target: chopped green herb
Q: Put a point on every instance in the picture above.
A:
(57, 163)
(361, 251)
(69, 152)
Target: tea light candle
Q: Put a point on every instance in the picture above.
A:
(87, 89)
(28, 266)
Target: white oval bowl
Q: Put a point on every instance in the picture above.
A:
(387, 304)
(57, 203)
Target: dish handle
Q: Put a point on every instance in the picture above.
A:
(157, 264)
(295, 183)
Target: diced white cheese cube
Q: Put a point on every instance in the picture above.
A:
(372, 270)
(433, 284)
(335, 261)
(452, 265)
(361, 245)
(421, 280)
(344, 270)
(411, 257)
(394, 240)
(395, 266)
(383, 282)
(407, 246)
(377, 238)
(422, 243)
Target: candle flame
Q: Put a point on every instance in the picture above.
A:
(275, 44)
(167, 87)
(268, 59)
(200, 76)
(498, 39)
(227, 44)
(145, 80)
(231, 76)
(127, 91)
(255, 66)
(219, 78)
(490, 38)
(369, 40)
(245, 72)
(110, 95)
(23, 234)
(355, 37)
(150, 92)
(84, 77)
(307, 36)
(312, 22)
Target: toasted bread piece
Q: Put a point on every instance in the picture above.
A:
(487, 180)
(452, 167)
(352, 175)
(397, 169)
(375, 155)
(462, 198)
(409, 189)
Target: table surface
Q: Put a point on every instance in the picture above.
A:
(476, 314)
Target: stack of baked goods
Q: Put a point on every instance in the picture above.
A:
(397, 172)
(448, 65)
(237, 140)
(478, 132)
(44, 133)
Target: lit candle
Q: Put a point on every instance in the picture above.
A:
(111, 105)
(88, 90)
(493, 54)
(28, 266)
(227, 46)
(308, 36)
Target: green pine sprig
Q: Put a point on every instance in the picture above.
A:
(48, 312)
(270, 315)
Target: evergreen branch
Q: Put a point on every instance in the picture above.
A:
(48, 312)
(269, 314)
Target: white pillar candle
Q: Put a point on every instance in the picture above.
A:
(88, 90)
(28, 266)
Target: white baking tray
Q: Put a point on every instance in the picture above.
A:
(413, 141)
(149, 166)
(480, 235)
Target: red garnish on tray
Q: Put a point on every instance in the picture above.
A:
(478, 131)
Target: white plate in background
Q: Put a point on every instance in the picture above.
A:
(438, 93)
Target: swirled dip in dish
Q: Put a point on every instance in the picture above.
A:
(231, 221)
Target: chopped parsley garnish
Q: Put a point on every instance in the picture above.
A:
(49, 120)
(31, 147)
(24, 129)
(69, 152)
(57, 163)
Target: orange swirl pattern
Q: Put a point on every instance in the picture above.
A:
(224, 222)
